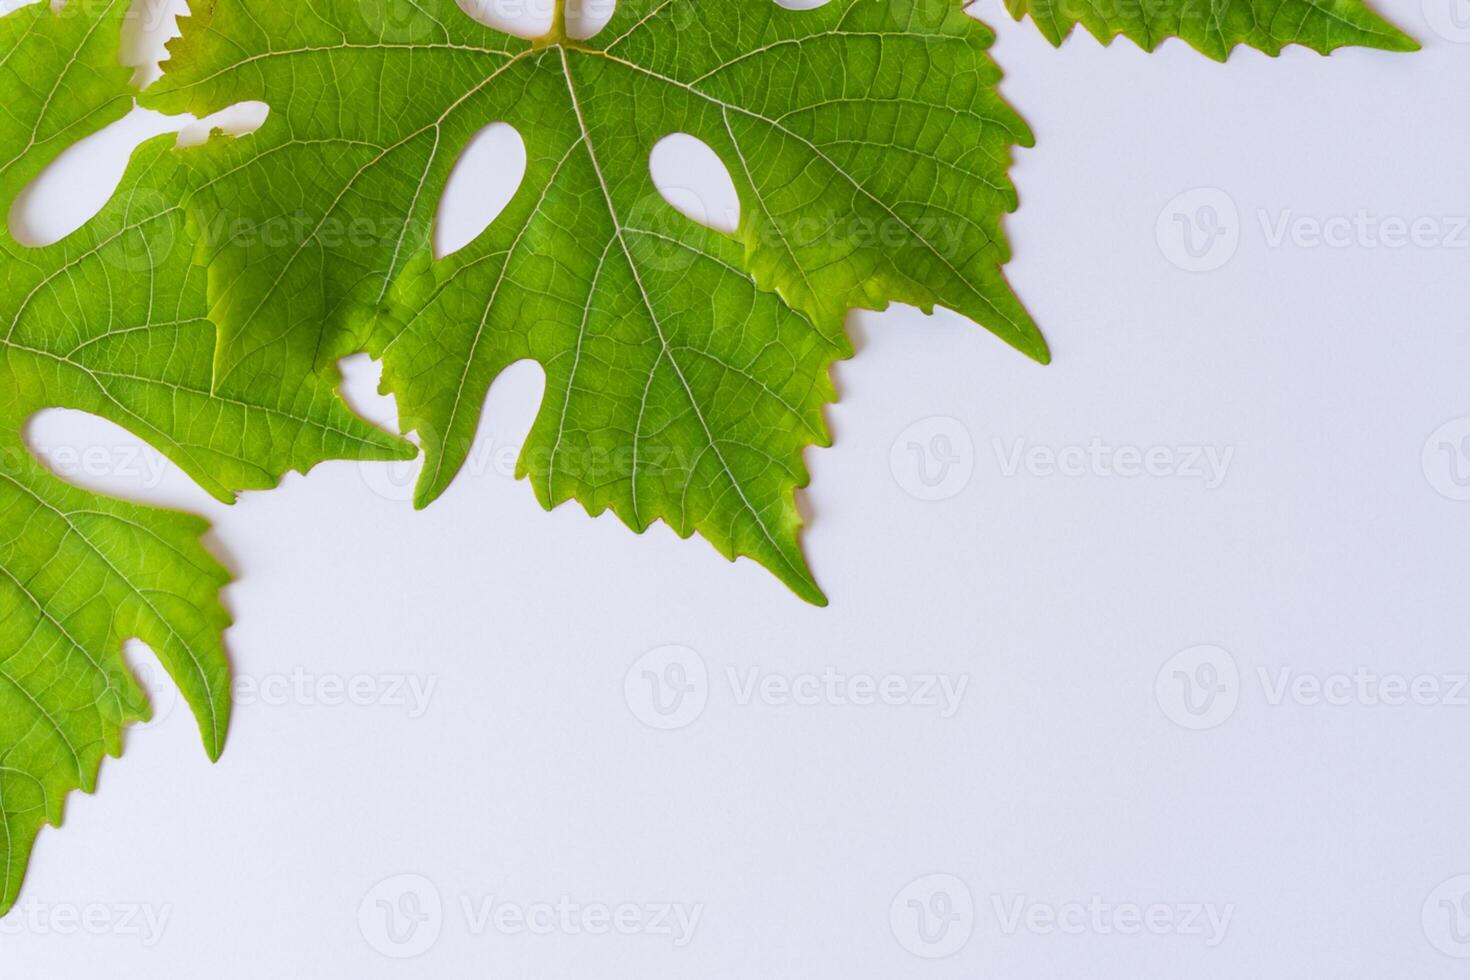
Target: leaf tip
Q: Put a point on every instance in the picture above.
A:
(804, 584)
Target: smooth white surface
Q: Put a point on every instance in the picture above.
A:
(1075, 759)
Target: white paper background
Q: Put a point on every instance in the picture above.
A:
(1085, 775)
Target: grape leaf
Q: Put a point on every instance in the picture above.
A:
(686, 369)
(204, 309)
(113, 320)
(1216, 27)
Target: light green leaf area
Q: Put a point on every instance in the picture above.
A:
(1217, 27)
(113, 320)
(686, 369)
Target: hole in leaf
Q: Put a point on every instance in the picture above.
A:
(76, 185)
(149, 26)
(586, 17)
(90, 452)
(532, 18)
(484, 179)
(801, 4)
(150, 676)
(523, 18)
(240, 119)
(515, 397)
(362, 379)
(361, 389)
(695, 182)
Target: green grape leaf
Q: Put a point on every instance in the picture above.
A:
(686, 369)
(1216, 27)
(113, 320)
(205, 308)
